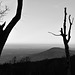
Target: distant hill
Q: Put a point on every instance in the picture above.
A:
(55, 52)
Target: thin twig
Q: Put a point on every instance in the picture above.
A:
(54, 34)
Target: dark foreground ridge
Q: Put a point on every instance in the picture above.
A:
(56, 66)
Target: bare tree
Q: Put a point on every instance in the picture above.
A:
(66, 40)
(5, 33)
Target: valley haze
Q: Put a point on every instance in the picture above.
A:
(36, 52)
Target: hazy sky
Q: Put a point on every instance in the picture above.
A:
(39, 17)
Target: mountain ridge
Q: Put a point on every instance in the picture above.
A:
(54, 52)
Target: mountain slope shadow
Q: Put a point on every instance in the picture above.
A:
(54, 52)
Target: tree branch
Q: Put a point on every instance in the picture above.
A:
(16, 18)
(71, 22)
(62, 33)
(69, 32)
(54, 34)
(3, 12)
(65, 21)
(12, 23)
(3, 24)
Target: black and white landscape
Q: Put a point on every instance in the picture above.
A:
(35, 52)
(37, 37)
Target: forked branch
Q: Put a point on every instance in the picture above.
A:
(71, 22)
(69, 32)
(5, 33)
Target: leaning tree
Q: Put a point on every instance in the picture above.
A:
(4, 33)
(66, 39)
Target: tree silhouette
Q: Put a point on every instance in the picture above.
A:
(5, 33)
(66, 39)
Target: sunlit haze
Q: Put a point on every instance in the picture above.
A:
(39, 17)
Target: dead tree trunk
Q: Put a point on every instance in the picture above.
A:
(5, 33)
(66, 40)
(68, 66)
